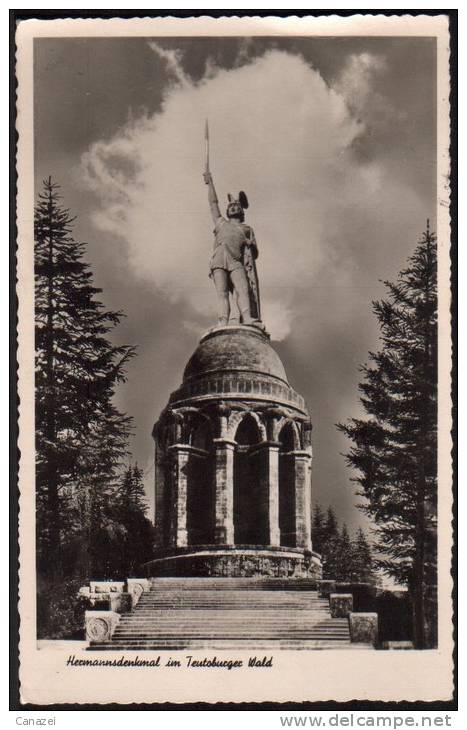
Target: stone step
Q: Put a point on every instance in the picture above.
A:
(207, 625)
(222, 600)
(227, 586)
(232, 613)
(161, 628)
(257, 584)
(157, 621)
(254, 608)
(210, 596)
(237, 630)
(179, 616)
(237, 645)
(223, 632)
(233, 604)
(231, 589)
(271, 628)
(242, 640)
(231, 629)
(239, 601)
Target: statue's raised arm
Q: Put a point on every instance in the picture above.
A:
(212, 196)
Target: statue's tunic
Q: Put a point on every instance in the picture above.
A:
(230, 237)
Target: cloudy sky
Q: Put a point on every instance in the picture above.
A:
(333, 140)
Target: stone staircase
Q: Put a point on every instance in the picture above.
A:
(230, 613)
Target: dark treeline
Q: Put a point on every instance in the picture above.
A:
(90, 507)
(345, 558)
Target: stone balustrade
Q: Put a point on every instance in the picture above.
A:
(118, 596)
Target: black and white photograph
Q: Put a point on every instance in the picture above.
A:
(234, 360)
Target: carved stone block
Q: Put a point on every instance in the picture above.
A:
(363, 628)
(107, 586)
(100, 625)
(340, 604)
(136, 587)
(95, 599)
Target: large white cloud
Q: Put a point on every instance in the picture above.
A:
(279, 132)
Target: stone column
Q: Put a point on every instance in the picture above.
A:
(302, 468)
(161, 507)
(224, 525)
(178, 531)
(269, 483)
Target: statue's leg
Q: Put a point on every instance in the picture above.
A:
(221, 282)
(236, 317)
(240, 283)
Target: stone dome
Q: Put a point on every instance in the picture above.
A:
(234, 348)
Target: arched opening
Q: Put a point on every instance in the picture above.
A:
(200, 498)
(201, 435)
(250, 527)
(287, 486)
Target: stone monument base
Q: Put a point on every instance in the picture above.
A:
(243, 561)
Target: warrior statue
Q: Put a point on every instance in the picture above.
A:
(232, 264)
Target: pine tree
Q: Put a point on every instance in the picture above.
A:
(362, 561)
(136, 546)
(331, 530)
(80, 435)
(318, 528)
(132, 494)
(330, 542)
(344, 556)
(395, 448)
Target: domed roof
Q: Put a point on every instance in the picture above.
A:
(241, 347)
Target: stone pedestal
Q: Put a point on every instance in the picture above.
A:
(363, 628)
(100, 625)
(234, 562)
(340, 604)
(136, 587)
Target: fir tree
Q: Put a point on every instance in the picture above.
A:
(330, 542)
(362, 562)
(395, 448)
(80, 435)
(132, 507)
(318, 528)
(344, 556)
(331, 529)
